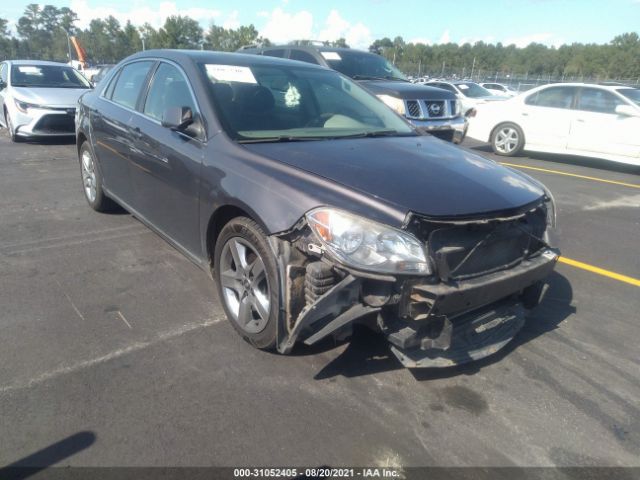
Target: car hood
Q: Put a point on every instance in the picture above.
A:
(418, 174)
(406, 91)
(55, 97)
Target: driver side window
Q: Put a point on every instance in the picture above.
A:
(168, 89)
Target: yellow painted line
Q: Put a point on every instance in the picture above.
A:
(559, 172)
(600, 271)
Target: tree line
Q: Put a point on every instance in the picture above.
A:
(42, 33)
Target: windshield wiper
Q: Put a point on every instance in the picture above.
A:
(281, 138)
(375, 133)
(386, 77)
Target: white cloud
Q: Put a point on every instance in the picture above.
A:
(139, 15)
(232, 21)
(357, 35)
(282, 27)
(549, 39)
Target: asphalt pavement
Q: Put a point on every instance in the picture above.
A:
(111, 336)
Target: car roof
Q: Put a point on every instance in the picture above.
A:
(224, 58)
(38, 62)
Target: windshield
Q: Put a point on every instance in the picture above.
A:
(473, 90)
(632, 94)
(283, 103)
(47, 76)
(362, 65)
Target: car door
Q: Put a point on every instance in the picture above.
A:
(111, 130)
(166, 163)
(545, 117)
(597, 128)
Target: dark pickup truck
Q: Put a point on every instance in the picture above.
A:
(429, 109)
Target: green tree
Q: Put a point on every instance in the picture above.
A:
(180, 32)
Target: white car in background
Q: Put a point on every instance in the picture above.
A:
(571, 118)
(499, 89)
(470, 94)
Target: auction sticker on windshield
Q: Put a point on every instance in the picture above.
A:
(230, 73)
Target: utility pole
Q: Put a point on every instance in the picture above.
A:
(68, 45)
(473, 67)
(442, 73)
(143, 48)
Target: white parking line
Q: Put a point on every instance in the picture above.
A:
(134, 347)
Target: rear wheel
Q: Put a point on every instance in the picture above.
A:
(247, 281)
(92, 182)
(507, 140)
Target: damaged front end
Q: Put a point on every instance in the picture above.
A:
(463, 300)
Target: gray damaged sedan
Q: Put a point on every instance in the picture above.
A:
(315, 207)
(39, 99)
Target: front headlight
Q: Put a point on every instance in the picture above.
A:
(551, 208)
(24, 106)
(396, 103)
(367, 245)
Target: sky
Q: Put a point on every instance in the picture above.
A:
(551, 22)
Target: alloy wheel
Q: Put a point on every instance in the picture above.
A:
(245, 286)
(88, 176)
(506, 140)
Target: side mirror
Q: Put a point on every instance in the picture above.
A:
(2, 84)
(627, 111)
(177, 118)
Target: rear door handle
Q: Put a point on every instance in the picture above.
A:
(524, 114)
(136, 132)
(581, 120)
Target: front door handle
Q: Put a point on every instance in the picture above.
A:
(136, 132)
(525, 114)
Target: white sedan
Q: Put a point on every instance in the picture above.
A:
(571, 118)
(500, 89)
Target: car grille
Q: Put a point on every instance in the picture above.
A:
(413, 109)
(56, 123)
(466, 250)
(430, 109)
(435, 109)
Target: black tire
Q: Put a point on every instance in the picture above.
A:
(248, 233)
(12, 134)
(507, 139)
(100, 202)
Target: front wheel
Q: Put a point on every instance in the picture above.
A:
(10, 127)
(507, 140)
(247, 281)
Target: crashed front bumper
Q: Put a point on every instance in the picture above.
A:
(429, 323)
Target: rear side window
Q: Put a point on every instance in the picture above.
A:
(3, 73)
(275, 53)
(303, 56)
(553, 97)
(168, 89)
(598, 100)
(129, 83)
(444, 86)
